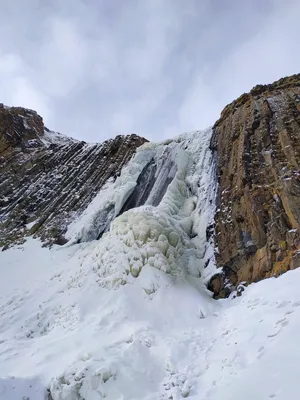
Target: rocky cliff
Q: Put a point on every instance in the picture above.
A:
(46, 178)
(257, 222)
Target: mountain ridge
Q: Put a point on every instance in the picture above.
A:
(47, 177)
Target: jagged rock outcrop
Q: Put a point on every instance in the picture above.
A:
(257, 223)
(46, 178)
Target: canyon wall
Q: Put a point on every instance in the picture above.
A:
(257, 141)
(48, 179)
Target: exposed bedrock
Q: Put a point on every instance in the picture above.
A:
(257, 140)
(47, 179)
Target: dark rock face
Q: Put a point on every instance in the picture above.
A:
(257, 224)
(19, 128)
(153, 182)
(151, 186)
(46, 179)
(144, 185)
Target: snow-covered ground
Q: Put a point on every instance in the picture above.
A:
(60, 330)
(51, 137)
(128, 316)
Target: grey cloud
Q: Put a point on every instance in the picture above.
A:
(94, 69)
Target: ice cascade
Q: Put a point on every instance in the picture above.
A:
(155, 215)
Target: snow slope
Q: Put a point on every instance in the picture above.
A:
(59, 329)
(128, 316)
(51, 137)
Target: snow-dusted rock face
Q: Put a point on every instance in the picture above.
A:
(257, 140)
(46, 178)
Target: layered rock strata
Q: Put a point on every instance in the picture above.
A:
(46, 178)
(257, 223)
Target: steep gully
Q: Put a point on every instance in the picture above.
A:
(47, 180)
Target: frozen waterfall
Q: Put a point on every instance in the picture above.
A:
(156, 214)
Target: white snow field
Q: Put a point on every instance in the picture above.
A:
(128, 316)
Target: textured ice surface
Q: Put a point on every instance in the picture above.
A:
(168, 190)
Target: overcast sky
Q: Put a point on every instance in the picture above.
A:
(97, 68)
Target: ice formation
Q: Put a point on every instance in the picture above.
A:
(155, 215)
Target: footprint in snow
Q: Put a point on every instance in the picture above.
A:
(261, 349)
(283, 322)
(289, 312)
(283, 304)
(274, 334)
